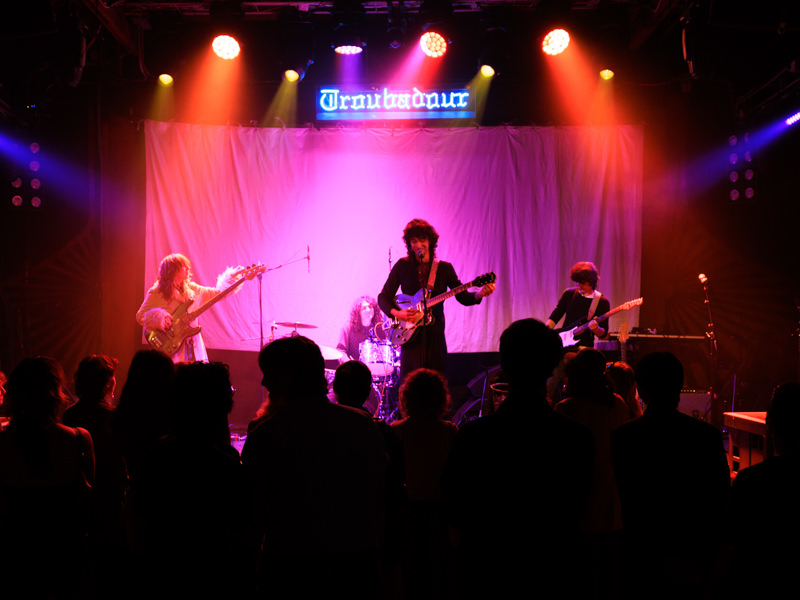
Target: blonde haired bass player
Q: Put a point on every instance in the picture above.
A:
(172, 306)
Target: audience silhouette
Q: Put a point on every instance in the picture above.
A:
(762, 518)
(327, 500)
(95, 382)
(623, 380)
(189, 503)
(591, 401)
(317, 472)
(426, 439)
(516, 484)
(352, 385)
(673, 480)
(46, 471)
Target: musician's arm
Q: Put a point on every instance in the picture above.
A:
(451, 281)
(344, 344)
(560, 310)
(152, 314)
(601, 330)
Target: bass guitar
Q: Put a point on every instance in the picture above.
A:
(401, 332)
(171, 339)
(568, 337)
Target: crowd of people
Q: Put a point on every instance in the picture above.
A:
(579, 495)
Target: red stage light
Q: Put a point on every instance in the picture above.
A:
(555, 42)
(225, 47)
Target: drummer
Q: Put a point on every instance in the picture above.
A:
(364, 316)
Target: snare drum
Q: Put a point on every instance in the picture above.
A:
(380, 358)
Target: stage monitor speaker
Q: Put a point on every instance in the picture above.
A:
(696, 403)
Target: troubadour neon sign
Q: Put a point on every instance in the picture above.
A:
(338, 104)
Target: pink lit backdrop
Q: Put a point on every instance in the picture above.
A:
(524, 202)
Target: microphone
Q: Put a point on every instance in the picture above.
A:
(308, 257)
(703, 279)
(420, 253)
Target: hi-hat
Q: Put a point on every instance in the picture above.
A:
(296, 325)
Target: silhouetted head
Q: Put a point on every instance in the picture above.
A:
(95, 377)
(152, 373)
(783, 416)
(36, 391)
(659, 377)
(424, 395)
(293, 371)
(622, 378)
(529, 352)
(352, 383)
(202, 400)
(586, 375)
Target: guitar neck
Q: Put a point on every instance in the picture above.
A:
(449, 294)
(585, 326)
(191, 316)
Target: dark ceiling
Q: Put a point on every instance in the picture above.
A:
(747, 49)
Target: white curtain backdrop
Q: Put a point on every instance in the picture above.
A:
(524, 202)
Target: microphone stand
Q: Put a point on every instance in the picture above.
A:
(424, 321)
(716, 404)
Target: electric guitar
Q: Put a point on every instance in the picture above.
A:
(568, 337)
(402, 331)
(171, 339)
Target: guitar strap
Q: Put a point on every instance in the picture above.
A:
(432, 275)
(593, 305)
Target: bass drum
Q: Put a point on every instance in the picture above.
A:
(381, 358)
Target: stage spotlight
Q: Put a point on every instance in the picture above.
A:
(348, 49)
(607, 74)
(742, 174)
(291, 76)
(555, 42)
(793, 119)
(433, 44)
(349, 16)
(225, 47)
(165, 80)
(26, 179)
(396, 28)
(487, 72)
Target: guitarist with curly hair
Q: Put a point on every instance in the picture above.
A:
(419, 314)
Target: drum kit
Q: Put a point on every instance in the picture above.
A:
(382, 359)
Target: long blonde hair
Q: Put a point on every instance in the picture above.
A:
(167, 270)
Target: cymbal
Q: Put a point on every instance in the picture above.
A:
(329, 353)
(296, 325)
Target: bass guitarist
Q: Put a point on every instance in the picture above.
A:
(173, 288)
(581, 304)
(428, 347)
